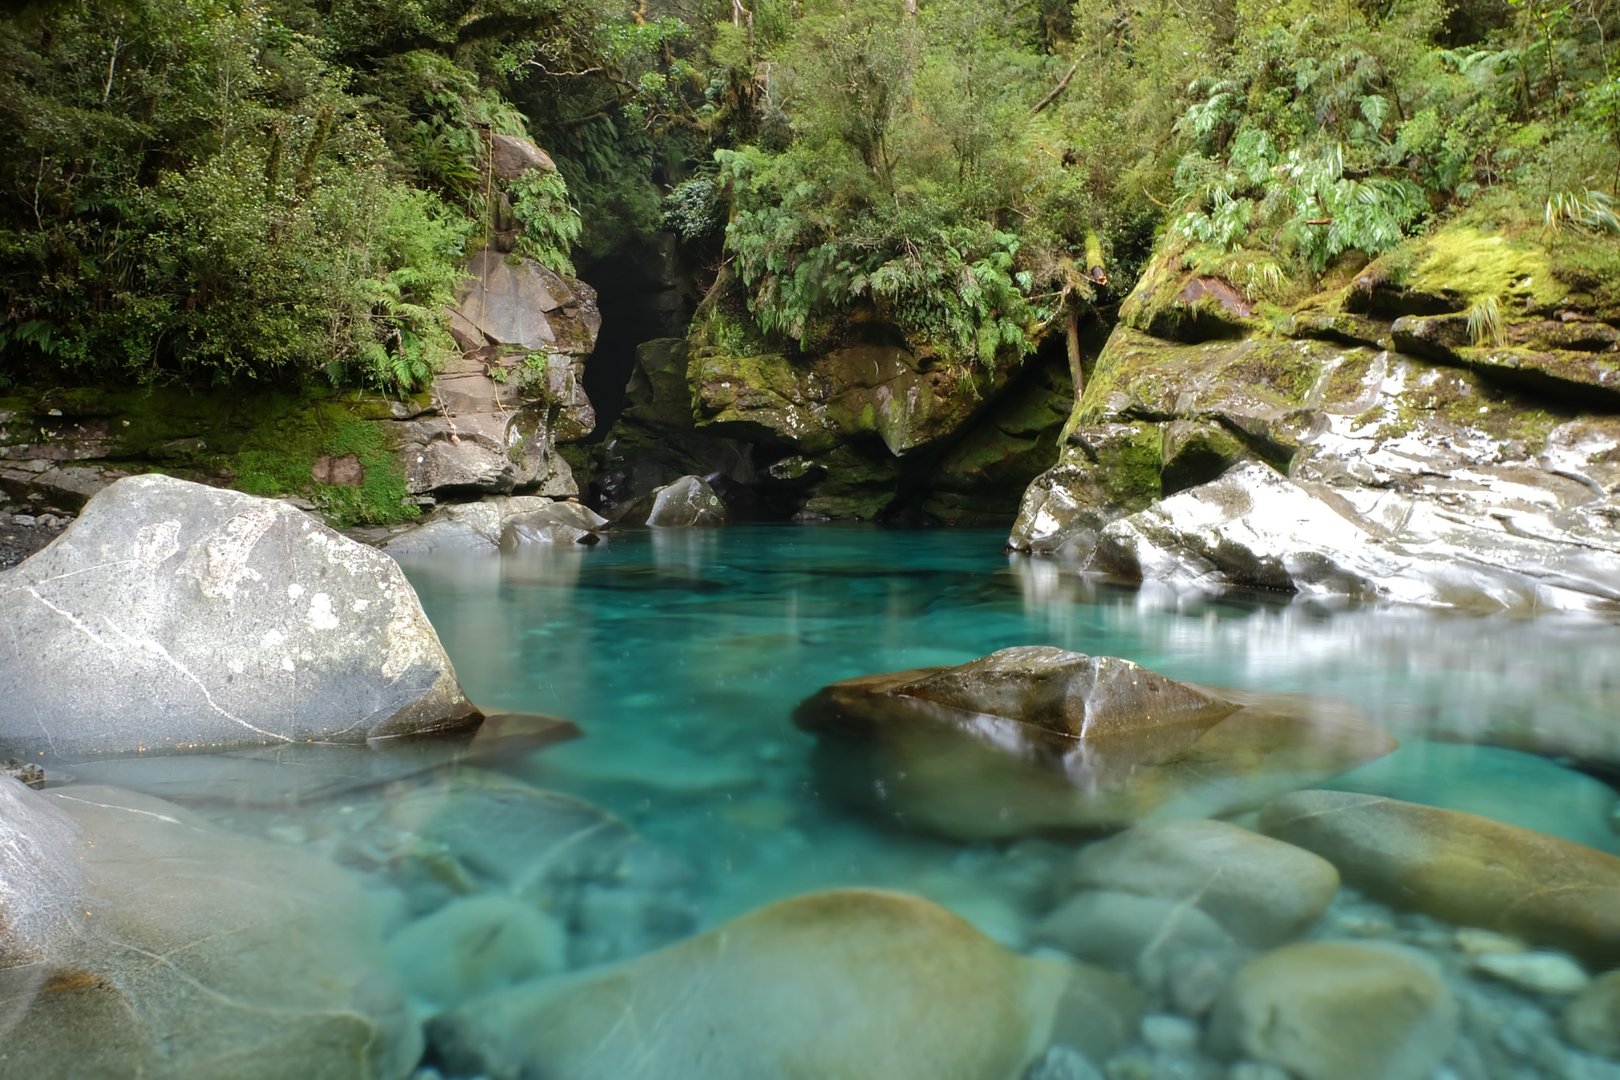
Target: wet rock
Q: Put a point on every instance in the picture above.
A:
(474, 832)
(41, 878)
(25, 773)
(476, 945)
(755, 997)
(512, 156)
(1036, 738)
(1592, 1020)
(1538, 972)
(1106, 471)
(686, 502)
(1463, 868)
(189, 951)
(1336, 1010)
(1142, 936)
(174, 615)
(1262, 891)
(557, 523)
(1511, 786)
(464, 527)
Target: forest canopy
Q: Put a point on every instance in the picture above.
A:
(219, 190)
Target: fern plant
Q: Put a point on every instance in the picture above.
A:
(548, 223)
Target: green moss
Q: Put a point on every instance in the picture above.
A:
(1348, 379)
(1478, 264)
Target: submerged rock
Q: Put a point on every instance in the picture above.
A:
(844, 984)
(1336, 1010)
(1463, 868)
(172, 615)
(178, 950)
(474, 946)
(1262, 891)
(1036, 738)
(1592, 1020)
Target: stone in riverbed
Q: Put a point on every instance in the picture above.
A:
(1261, 890)
(1335, 1010)
(174, 615)
(1035, 738)
(558, 523)
(836, 985)
(1463, 868)
(476, 945)
(686, 501)
(185, 951)
(1592, 1020)
(1145, 937)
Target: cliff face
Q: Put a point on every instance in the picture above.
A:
(1441, 426)
(872, 428)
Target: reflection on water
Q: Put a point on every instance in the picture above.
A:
(691, 798)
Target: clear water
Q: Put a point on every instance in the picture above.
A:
(681, 655)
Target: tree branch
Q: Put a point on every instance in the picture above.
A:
(1063, 84)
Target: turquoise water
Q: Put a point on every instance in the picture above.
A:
(681, 654)
(525, 872)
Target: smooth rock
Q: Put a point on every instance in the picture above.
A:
(192, 952)
(1592, 1020)
(683, 502)
(171, 615)
(556, 523)
(1466, 869)
(1262, 891)
(1036, 738)
(463, 527)
(1538, 972)
(476, 945)
(1125, 932)
(758, 996)
(1332, 1010)
(1510, 786)
(41, 876)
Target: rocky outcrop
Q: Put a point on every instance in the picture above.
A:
(1037, 738)
(172, 615)
(682, 503)
(1463, 868)
(150, 943)
(1411, 458)
(864, 429)
(753, 997)
(517, 390)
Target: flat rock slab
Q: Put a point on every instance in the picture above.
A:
(844, 984)
(1466, 869)
(172, 615)
(190, 952)
(1036, 738)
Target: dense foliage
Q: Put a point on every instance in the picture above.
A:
(225, 189)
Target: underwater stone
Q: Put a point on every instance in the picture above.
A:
(1261, 890)
(1333, 1010)
(1463, 868)
(475, 945)
(1538, 972)
(1142, 936)
(1034, 738)
(1592, 1020)
(194, 952)
(770, 993)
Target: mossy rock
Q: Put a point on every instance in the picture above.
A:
(1175, 300)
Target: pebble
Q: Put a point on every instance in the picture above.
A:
(1475, 942)
(1540, 972)
(1171, 1034)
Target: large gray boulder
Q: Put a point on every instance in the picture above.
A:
(153, 944)
(172, 615)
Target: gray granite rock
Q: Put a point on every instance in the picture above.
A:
(172, 615)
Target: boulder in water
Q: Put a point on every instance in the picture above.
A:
(153, 944)
(1035, 738)
(172, 615)
(843, 984)
(687, 501)
(1461, 867)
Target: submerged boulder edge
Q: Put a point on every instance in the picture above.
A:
(1033, 739)
(176, 616)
